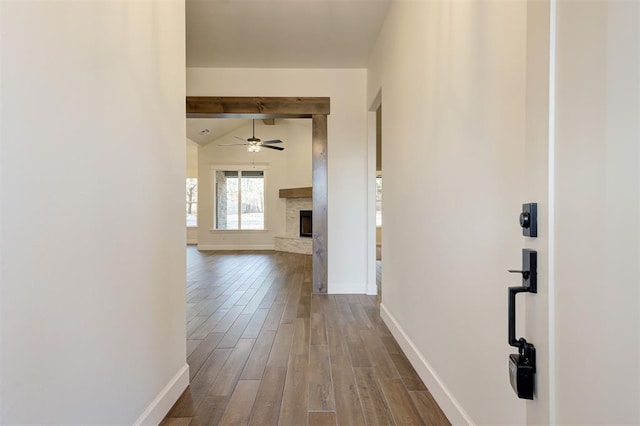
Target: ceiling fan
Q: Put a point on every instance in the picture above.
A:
(255, 144)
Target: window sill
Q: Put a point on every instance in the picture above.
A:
(192, 227)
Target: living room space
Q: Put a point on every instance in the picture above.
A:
(239, 189)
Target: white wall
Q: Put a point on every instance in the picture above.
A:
(347, 150)
(192, 159)
(290, 168)
(452, 78)
(92, 173)
(597, 185)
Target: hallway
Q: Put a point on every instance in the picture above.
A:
(263, 350)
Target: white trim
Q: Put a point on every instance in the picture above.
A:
(551, 299)
(372, 287)
(348, 291)
(450, 406)
(162, 403)
(241, 231)
(205, 247)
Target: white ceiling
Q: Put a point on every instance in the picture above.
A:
(217, 127)
(282, 33)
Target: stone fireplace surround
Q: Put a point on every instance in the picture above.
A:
(292, 242)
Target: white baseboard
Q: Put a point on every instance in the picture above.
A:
(205, 247)
(346, 288)
(163, 402)
(450, 406)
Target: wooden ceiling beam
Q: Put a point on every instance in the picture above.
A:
(256, 107)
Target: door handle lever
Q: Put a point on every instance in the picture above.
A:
(525, 274)
(513, 291)
(529, 285)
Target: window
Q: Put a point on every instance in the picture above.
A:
(192, 202)
(379, 201)
(239, 199)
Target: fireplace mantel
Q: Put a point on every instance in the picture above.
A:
(296, 192)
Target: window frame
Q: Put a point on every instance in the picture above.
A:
(255, 167)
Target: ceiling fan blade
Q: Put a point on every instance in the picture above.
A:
(233, 144)
(242, 139)
(272, 141)
(279, 148)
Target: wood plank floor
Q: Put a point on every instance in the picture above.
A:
(263, 350)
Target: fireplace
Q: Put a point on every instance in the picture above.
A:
(306, 227)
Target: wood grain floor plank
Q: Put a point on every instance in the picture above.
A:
(210, 411)
(192, 345)
(208, 326)
(255, 325)
(400, 403)
(256, 300)
(266, 408)
(321, 396)
(300, 345)
(391, 345)
(192, 397)
(230, 373)
(291, 308)
(380, 359)
(254, 368)
(337, 345)
(227, 321)
(279, 355)
(374, 406)
(428, 408)
(235, 331)
(243, 396)
(366, 300)
(318, 331)
(272, 321)
(409, 376)
(304, 306)
(357, 350)
(361, 316)
(176, 421)
(348, 406)
(270, 296)
(195, 324)
(293, 410)
(212, 303)
(327, 418)
(335, 335)
(202, 352)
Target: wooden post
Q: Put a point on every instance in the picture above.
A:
(320, 190)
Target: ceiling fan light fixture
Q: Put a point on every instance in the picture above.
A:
(253, 148)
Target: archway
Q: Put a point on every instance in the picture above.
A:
(316, 108)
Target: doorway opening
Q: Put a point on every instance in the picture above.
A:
(379, 199)
(316, 108)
